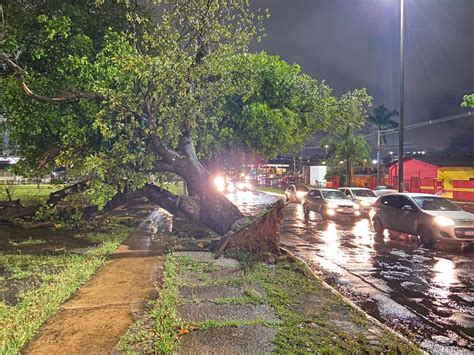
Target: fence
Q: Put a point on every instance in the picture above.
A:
(461, 190)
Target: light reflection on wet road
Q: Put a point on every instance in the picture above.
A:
(429, 292)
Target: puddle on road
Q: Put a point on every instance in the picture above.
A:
(422, 291)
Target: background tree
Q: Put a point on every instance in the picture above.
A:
(349, 149)
(382, 119)
(116, 91)
(345, 145)
(468, 101)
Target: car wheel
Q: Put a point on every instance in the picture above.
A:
(426, 236)
(378, 227)
(305, 209)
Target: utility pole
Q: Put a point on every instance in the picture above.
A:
(379, 148)
(402, 103)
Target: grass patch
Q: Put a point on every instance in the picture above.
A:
(57, 276)
(176, 188)
(312, 317)
(27, 242)
(28, 194)
(274, 190)
(157, 333)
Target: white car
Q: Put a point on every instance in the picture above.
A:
(364, 197)
(383, 190)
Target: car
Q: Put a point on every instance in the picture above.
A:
(296, 193)
(384, 189)
(329, 203)
(430, 217)
(364, 197)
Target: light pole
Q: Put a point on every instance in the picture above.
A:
(402, 103)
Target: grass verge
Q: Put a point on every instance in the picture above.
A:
(311, 318)
(157, 331)
(52, 280)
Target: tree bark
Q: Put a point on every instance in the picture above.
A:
(56, 196)
(215, 210)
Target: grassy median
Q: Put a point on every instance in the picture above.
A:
(34, 286)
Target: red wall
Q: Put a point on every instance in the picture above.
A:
(414, 168)
(463, 195)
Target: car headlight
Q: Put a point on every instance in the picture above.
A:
(365, 203)
(300, 194)
(332, 205)
(443, 221)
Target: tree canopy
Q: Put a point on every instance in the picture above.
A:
(116, 90)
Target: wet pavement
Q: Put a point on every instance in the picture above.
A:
(419, 291)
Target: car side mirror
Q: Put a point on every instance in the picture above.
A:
(407, 208)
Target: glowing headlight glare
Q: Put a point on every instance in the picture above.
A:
(300, 194)
(219, 181)
(230, 186)
(443, 221)
(331, 212)
(332, 205)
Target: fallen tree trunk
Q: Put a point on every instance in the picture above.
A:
(56, 196)
(261, 236)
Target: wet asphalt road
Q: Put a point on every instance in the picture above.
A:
(419, 291)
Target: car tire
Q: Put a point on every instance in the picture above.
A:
(305, 210)
(426, 236)
(378, 227)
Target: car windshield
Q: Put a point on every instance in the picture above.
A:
(363, 193)
(334, 195)
(429, 203)
(302, 188)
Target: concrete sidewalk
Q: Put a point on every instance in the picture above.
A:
(93, 320)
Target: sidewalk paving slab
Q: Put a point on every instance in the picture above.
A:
(229, 340)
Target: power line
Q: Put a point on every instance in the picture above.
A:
(412, 126)
(423, 124)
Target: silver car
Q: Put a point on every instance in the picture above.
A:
(364, 197)
(430, 217)
(329, 203)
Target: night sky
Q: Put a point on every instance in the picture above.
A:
(355, 43)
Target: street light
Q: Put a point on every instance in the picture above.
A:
(326, 147)
(402, 103)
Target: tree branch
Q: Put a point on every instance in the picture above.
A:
(66, 96)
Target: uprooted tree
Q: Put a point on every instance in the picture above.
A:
(114, 91)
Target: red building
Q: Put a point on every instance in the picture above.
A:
(453, 175)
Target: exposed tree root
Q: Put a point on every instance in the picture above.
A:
(261, 236)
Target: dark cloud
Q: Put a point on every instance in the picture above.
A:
(355, 43)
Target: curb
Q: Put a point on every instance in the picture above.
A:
(270, 193)
(351, 303)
